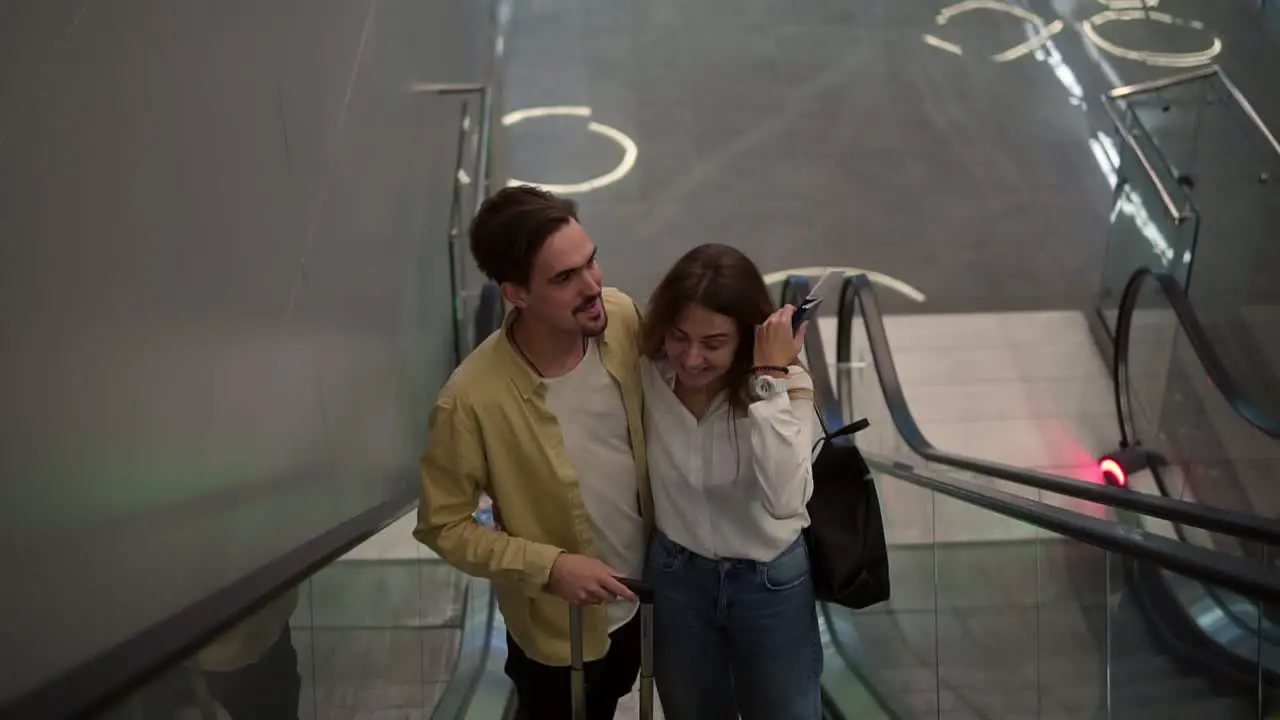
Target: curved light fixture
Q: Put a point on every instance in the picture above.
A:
(1044, 30)
(1129, 4)
(1160, 59)
(1116, 11)
(629, 149)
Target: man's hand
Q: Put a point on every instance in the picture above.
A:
(584, 580)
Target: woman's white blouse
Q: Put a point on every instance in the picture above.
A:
(733, 485)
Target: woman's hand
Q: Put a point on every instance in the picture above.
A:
(776, 345)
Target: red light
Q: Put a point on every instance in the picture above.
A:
(1112, 471)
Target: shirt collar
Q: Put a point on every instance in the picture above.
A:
(528, 382)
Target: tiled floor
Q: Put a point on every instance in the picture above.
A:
(395, 542)
(1028, 389)
(377, 631)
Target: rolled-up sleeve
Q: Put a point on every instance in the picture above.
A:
(453, 475)
(782, 437)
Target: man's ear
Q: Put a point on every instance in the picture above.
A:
(516, 296)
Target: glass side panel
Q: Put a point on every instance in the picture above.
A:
(1211, 454)
(991, 617)
(1231, 284)
(472, 164)
(1228, 162)
(374, 634)
(1207, 452)
(1173, 651)
(1142, 231)
(994, 617)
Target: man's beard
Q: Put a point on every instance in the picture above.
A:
(598, 327)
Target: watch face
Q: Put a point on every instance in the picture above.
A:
(762, 386)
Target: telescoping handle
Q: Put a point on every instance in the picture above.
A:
(577, 674)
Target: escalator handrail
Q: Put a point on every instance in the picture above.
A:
(1216, 370)
(1254, 580)
(106, 678)
(858, 289)
(93, 686)
(1210, 568)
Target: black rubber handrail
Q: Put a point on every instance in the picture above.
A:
(1175, 297)
(1199, 564)
(1253, 579)
(858, 290)
(102, 681)
(1216, 370)
(97, 684)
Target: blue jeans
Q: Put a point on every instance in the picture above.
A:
(735, 638)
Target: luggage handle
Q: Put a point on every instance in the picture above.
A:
(577, 674)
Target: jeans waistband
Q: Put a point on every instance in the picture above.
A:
(671, 546)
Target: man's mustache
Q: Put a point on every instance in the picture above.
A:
(586, 305)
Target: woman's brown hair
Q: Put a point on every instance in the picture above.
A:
(723, 280)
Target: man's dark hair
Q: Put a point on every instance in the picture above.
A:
(512, 226)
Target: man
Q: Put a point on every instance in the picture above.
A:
(546, 417)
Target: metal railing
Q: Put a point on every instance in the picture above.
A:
(1113, 97)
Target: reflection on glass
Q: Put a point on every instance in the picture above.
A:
(1226, 160)
(375, 633)
(252, 671)
(1236, 173)
(993, 617)
(1211, 454)
(1143, 229)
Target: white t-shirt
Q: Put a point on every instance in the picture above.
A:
(588, 404)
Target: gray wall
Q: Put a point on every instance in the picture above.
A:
(224, 292)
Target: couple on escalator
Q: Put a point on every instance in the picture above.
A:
(672, 445)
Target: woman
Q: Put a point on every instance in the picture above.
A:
(729, 426)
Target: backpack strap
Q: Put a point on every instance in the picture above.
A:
(852, 428)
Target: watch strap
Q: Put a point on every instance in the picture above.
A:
(769, 368)
(764, 387)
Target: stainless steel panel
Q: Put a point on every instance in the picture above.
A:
(225, 300)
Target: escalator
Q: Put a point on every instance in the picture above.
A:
(362, 617)
(1074, 600)
(1110, 631)
(1052, 612)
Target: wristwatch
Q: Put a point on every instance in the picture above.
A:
(764, 387)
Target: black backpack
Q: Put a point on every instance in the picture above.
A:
(847, 554)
